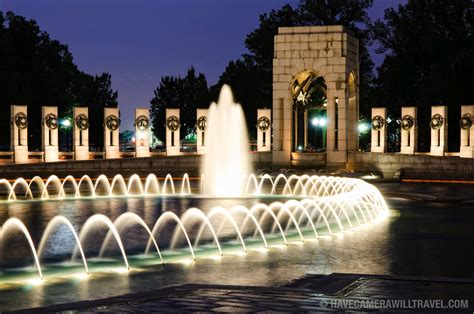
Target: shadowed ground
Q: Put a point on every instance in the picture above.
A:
(333, 292)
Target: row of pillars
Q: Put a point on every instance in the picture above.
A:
(409, 130)
(80, 127)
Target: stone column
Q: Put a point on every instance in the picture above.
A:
(467, 132)
(111, 133)
(409, 131)
(305, 121)
(81, 133)
(201, 131)
(19, 133)
(264, 133)
(439, 130)
(379, 130)
(142, 133)
(50, 133)
(172, 132)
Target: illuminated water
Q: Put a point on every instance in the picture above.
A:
(226, 165)
(424, 239)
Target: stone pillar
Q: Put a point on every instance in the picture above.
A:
(19, 133)
(439, 130)
(305, 122)
(264, 133)
(81, 133)
(379, 130)
(467, 132)
(172, 132)
(409, 131)
(50, 133)
(201, 131)
(142, 133)
(111, 133)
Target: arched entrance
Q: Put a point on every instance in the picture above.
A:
(315, 95)
(309, 95)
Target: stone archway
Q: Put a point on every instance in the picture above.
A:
(309, 99)
(332, 53)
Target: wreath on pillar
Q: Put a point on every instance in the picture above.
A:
(437, 121)
(466, 121)
(263, 123)
(172, 123)
(407, 122)
(142, 122)
(82, 122)
(377, 123)
(21, 120)
(112, 122)
(202, 123)
(308, 91)
(51, 121)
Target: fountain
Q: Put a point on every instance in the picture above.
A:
(281, 210)
(226, 164)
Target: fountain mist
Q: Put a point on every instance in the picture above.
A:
(226, 165)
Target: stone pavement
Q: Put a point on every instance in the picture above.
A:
(313, 293)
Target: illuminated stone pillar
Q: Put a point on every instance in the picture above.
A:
(439, 130)
(50, 133)
(379, 130)
(201, 131)
(264, 133)
(409, 131)
(19, 134)
(305, 123)
(467, 132)
(172, 132)
(111, 133)
(81, 133)
(142, 133)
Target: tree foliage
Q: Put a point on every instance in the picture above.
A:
(187, 94)
(254, 69)
(36, 71)
(429, 61)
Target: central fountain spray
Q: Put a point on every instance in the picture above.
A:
(226, 166)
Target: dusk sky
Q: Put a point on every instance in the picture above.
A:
(139, 41)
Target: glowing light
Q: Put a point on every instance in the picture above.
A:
(318, 122)
(35, 282)
(66, 123)
(363, 127)
(121, 270)
(82, 276)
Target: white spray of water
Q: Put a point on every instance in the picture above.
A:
(226, 166)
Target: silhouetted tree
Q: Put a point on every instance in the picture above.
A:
(187, 94)
(429, 61)
(36, 70)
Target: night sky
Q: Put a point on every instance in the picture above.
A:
(139, 41)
